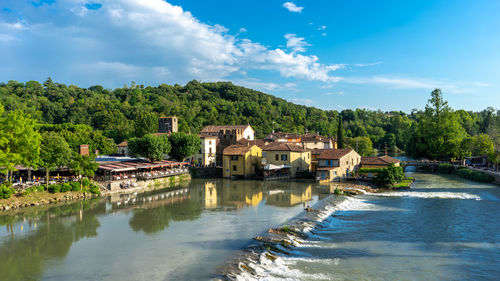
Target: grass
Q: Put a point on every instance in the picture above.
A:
(406, 183)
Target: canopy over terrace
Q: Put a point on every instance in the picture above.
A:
(133, 169)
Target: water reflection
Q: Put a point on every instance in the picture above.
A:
(36, 237)
(50, 234)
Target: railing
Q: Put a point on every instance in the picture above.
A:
(175, 172)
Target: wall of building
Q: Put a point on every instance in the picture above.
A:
(299, 161)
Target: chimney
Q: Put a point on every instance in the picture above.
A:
(84, 149)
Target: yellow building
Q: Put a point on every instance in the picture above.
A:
(337, 164)
(241, 161)
(290, 155)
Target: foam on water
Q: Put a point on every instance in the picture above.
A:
(431, 195)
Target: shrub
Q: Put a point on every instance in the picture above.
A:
(389, 176)
(65, 187)
(6, 191)
(338, 191)
(94, 189)
(54, 188)
(446, 168)
(75, 186)
(370, 170)
(474, 175)
(86, 182)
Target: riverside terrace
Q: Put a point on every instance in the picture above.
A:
(115, 169)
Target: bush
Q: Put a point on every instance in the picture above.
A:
(75, 186)
(474, 175)
(65, 187)
(370, 170)
(389, 176)
(94, 189)
(6, 191)
(86, 182)
(446, 168)
(338, 191)
(54, 188)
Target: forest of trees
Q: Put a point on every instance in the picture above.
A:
(436, 132)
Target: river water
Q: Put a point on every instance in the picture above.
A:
(444, 228)
(182, 234)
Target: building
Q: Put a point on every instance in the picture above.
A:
(314, 158)
(259, 143)
(243, 161)
(167, 124)
(288, 155)
(123, 148)
(283, 137)
(337, 164)
(379, 162)
(316, 141)
(228, 135)
(206, 155)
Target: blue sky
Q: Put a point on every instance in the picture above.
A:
(332, 54)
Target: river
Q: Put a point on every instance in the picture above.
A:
(444, 228)
(181, 234)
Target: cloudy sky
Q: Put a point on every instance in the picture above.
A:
(332, 54)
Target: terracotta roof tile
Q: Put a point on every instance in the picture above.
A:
(382, 160)
(237, 149)
(334, 153)
(218, 128)
(284, 147)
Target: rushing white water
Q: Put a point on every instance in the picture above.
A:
(442, 229)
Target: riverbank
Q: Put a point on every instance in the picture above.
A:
(37, 198)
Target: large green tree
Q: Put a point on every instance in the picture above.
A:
(145, 123)
(362, 145)
(151, 147)
(184, 145)
(83, 166)
(19, 141)
(54, 153)
(438, 134)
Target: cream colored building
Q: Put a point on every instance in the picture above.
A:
(206, 154)
(316, 141)
(337, 164)
(288, 154)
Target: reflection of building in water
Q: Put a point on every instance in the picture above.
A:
(148, 200)
(242, 193)
(206, 194)
(290, 197)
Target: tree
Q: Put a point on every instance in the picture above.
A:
(19, 141)
(389, 176)
(54, 153)
(152, 147)
(340, 134)
(145, 123)
(184, 145)
(362, 145)
(83, 166)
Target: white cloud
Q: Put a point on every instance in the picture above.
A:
(455, 87)
(296, 44)
(323, 27)
(302, 101)
(335, 93)
(153, 41)
(367, 64)
(290, 6)
(323, 34)
(264, 86)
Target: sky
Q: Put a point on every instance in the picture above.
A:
(331, 54)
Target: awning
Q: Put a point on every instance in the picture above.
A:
(271, 167)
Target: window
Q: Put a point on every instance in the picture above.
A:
(234, 157)
(264, 154)
(210, 150)
(277, 157)
(235, 168)
(210, 142)
(335, 173)
(284, 157)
